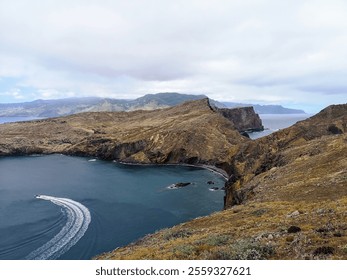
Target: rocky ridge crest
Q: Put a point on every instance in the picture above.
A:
(188, 133)
(303, 142)
(286, 198)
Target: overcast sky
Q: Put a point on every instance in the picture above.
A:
(292, 53)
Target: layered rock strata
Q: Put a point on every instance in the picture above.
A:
(286, 199)
(309, 144)
(244, 119)
(189, 133)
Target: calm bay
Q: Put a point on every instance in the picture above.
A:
(124, 203)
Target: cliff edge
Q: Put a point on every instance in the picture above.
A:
(244, 118)
(286, 199)
(188, 133)
(304, 144)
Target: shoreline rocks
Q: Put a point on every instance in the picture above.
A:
(179, 185)
(182, 185)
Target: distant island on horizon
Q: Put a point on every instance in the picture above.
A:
(68, 106)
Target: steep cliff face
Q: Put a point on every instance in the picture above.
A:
(188, 133)
(244, 118)
(286, 199)
(304, 143)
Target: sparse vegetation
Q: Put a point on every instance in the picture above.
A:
(242, 235)
(246, 249)
(324, 250)
(334, 129)
(259, 212)
(294, 229)
(217, 240)
(184, 251)
(344, 249)
(174, 234)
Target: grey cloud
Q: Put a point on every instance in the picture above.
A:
(231, 49)
(326, 89)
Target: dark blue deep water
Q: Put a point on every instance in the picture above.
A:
(104, 205)
(275, 122)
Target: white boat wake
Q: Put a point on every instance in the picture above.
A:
(78, 220)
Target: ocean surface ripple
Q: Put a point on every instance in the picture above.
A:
(78, 220)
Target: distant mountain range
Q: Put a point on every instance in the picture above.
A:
(68, 106)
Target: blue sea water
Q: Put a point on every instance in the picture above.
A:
(90, 206)
(275, 122)
(16, 119)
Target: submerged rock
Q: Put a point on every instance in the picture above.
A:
(181, 185)
(178, 185)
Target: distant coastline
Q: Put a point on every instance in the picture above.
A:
(68, 106)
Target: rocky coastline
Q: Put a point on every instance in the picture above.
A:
(286, 198)
(211, 168)
(244, 119)
(283, 171)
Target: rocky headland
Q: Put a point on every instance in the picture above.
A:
(244, 118)
(286, 196)
(191, 133)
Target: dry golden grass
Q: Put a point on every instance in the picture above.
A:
(309, 192)
(190, 132)
(251, 231)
